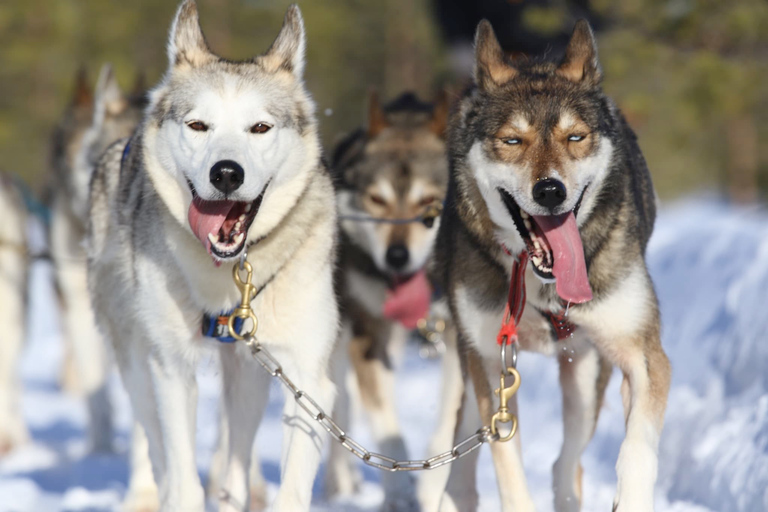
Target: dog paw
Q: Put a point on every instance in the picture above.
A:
(141, 500)
(12, 438)
(258, 497)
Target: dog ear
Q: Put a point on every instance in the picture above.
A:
(186, 42)
(580, 63)
(82, 95)
(109, 97)
(287, 51)
(377, 119)
(440, 113)
(139, 84)
(491, 67)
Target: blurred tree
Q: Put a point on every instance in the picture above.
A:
(688, 73)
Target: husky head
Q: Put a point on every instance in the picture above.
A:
(94, 120)
(227, 140)
(534, 139)
(116, 115)
(396, 169)
(67, 137)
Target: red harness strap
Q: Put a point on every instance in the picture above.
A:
(516, 304)
(515, 301)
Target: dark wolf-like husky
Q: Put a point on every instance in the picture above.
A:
(542, 161)
(393, 170)
(226, 160)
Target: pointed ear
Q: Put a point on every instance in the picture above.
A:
(82, 95)
(139, 84)
(440, 113)
(580, 63)
(491, 68)
(186, 42)
(377, 119)
(109, 97)
(287, 52)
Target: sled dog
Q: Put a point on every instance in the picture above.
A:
(391, 181)
(225, 162)
(543, 164)
(90, 124)
(13, 288)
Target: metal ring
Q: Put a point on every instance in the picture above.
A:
(512, 429)
(234, 333)
(513, 362)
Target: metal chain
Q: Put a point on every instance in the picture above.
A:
(373, 459)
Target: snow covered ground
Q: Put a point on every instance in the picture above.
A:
(710, 265)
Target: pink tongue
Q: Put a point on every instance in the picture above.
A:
(207, 217)
(409, 302)
(570, 270)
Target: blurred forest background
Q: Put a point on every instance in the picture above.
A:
(690, 75)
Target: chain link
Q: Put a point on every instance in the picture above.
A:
(373, 459)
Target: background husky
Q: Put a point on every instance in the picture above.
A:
(13, 286)
(396, 168)
(227, 158)
(541, 160)
(89, 125)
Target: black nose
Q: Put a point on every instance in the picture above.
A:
(549, 193)
(227, 176)
(397, 256)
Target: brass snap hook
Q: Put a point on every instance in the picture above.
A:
(503, 414)
(244, 310)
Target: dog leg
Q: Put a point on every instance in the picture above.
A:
(583, 379)
(88, 351)
(341, 475)
(163, 394)
(647, 376)
(13, 431)
(432, 484)
(303, 437)
(142, 495)
(246, 392)
(373, 359)
(461, 489)
(507, 457)
(257, 483)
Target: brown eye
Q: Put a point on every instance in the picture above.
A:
(260, 128)
(427, 200)
(198, 126)
(377, 199)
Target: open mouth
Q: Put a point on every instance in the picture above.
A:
(554, 247)
(222, 226)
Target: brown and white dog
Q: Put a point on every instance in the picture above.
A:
(542, 161)
(388, 177)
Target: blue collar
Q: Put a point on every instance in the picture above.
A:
(216, 326)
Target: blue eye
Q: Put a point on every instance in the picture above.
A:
(512, 142)
(576, 138)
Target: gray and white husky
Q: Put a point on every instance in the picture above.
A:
(13, 286)
(90, 124)
(227, 159)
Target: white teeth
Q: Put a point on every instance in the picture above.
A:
(247, 209)
(524, 215)
(237, 225)
(536, 244)
(238, 238)
(527, 224)
(242, 218)
(212, 238)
